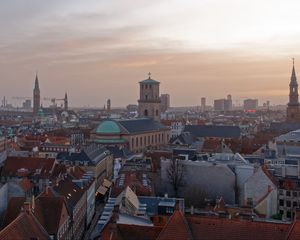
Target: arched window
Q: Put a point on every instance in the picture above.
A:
(146, 112)
(146, 97)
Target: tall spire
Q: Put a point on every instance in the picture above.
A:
(293, 76)
(36, 83)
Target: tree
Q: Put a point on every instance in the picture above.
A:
(175, 174)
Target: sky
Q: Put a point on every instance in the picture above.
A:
(100, 49)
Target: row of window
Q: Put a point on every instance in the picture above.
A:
(288, 203)
(138, 142)
(289, 193)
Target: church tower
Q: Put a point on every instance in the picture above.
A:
(149, 102)
(293, 113)
(66, 102)
(36, 96)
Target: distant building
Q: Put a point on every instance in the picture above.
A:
(149, 102)
(250, 104)
(165, 102)
(108, 105)
(223, 104)
(293, 112)
(203, 104)
(36, 96)
(136, 135)
(27, 104)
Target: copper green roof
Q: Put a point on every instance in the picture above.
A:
(149, 81)
(108, 126)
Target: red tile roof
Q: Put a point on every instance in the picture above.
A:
(135, 181)
(48, 210)
(176, 228)
(26, 184)
(13, 209)
(24, 227)
(14, 166)
(129, 232)
(294, 233)
(204, 228)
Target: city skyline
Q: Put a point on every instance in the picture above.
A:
(102, 50)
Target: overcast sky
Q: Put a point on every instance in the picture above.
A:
(101, 49)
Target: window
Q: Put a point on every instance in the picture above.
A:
(132, 143)
(295, 194)
(148, 140)
(146, 112)
(281, 202)
(136, 142)
(288, 214)
(288, 203)
(141, 141)
(249, 201)
(295, 204)
(156, 112)
(288, 193)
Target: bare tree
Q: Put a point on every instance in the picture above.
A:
(175, 173)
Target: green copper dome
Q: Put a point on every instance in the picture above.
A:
(108, 126)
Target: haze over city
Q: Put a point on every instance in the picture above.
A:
(96, 50)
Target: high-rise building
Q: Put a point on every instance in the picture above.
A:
(223, 104)
(293, 113)
(228, 103)
(250, 104)
(36, 96)
(26, 104)
(203, 104)
(165, 102)
(149, 102)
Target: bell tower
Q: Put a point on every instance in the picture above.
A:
(149, 102)
(293, 105)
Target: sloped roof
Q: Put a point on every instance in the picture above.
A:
(48, 209)
(13, 209)
(130, 232)
(24, 227)
(213, 131)
(204, 228)
(141, 125)
(176, 228)
(13, 165)
(108, 127)
(149, 81)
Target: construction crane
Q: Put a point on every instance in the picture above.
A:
(53, 101)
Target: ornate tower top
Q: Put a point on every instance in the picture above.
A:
(293, 96)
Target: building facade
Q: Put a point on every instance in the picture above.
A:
(149, 102)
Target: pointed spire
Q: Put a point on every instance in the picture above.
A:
(36, 83)
(293, 77)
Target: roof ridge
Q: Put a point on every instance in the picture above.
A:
(187, 228)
